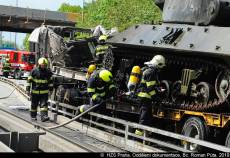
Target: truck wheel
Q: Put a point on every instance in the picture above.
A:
(227, 140)
(17, 74)
(5, 74)
(196, 128)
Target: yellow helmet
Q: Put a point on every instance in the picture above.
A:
(91, 68)
(105, 75)
(103, 37)
(42, 61)
(136, 69)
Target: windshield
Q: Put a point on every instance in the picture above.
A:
(28, 58)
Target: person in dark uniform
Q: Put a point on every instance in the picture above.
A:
(148, 89)
(6, 67)
(39, 84)
(101, 50)
(100, 86)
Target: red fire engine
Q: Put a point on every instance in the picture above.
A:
(22, 62)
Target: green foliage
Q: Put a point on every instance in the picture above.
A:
(26, 42)
(119, 13)
(65, 7)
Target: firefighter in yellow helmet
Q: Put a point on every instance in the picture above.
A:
(90, 70)
(100, 86)
(38, 85)
(101, 49)
(148, 89)
(6, 67)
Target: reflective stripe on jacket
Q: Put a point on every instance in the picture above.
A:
(101, 49)
(94, 88)
(40, 79)
(148, 84)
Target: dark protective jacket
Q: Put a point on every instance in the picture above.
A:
(100, 52)
(6, 67)
(41, 81)
(96, 89)
(148, 87)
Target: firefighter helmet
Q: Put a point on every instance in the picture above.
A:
(91, 68)
(158, 61)
(103, 38)
(42, 61)
(136, 69)
(105, 75)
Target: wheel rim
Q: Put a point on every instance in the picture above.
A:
(194, 133)
(203, 93)
(222, 85)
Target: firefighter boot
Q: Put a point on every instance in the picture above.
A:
(33, 113)
(44, 116)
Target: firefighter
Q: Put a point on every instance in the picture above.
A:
(100, 86)
(149, 89)
(6, 67)
(90, 70)
(134, 80)
(41, 81)
(101, 50)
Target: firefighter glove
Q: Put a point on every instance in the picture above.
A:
(112, 92)
(98, 100)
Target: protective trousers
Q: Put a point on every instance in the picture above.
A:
(146, 113)
(36, 100)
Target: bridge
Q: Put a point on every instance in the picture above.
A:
(25, 20)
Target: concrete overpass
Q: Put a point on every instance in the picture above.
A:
(15, 19)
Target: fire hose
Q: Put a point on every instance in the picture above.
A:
(76, 117)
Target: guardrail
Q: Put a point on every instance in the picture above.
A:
(17, 87)
(21, 141)
(5, 148)
(126, 131)
(127, 127)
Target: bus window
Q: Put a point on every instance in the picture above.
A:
(28, 58)
(31, 59)
(24, 58)
(15, 57)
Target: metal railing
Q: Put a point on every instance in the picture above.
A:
(70, 111)
(126, 129)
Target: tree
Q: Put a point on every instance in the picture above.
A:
(65, 7)
(26, 42)
(119, 13)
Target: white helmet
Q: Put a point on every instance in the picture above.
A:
(157, 60)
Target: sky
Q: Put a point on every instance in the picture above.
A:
(51, 5)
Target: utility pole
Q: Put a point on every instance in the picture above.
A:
(15, 39)
(1, 39)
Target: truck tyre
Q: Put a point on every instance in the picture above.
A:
(227, 140)
(17, 74)
(5, 74)
(196, 128)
